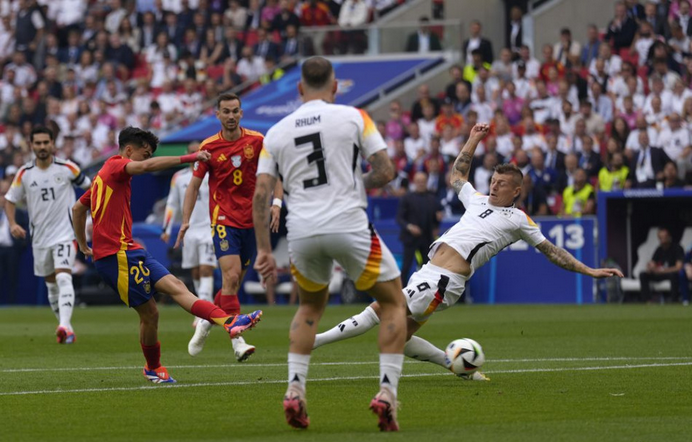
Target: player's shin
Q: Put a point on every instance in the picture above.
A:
(195, 283)
(66, 300)
(422, 350)
(351, 327)
(210, 312)
(54, 298)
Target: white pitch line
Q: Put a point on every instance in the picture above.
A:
(135, 367)
(340, 378)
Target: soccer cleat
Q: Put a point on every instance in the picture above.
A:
(243, 351)
(236, 325)
(295, 407)
(196, 344)
(384, 406)
(158, 376)
(476, 376)
(65, 336)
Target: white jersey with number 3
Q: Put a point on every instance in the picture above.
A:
(484, 230)
(318, 150)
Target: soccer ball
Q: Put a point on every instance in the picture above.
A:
(464, 356)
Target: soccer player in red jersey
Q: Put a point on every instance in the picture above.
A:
(232, 168)
(123, 264)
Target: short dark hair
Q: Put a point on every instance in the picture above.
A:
(316, 72)
(41, 130)
(510, 169)
(137, 137)
(227, 97)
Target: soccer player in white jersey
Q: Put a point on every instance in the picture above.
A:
(489, 224)
(317, 151)
(46, 184)
(198, 250)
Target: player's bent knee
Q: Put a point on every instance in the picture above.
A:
(63, 279)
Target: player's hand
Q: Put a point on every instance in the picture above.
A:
(86, 250)
(274, 218)
(203, 156)
(479, 131)
(265, 265)
(605, 273)
(165, 237)
(181, 235)
(17, 231)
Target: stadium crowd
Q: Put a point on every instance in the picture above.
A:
(89, 68)
(612, 112)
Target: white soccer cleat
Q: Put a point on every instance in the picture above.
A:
(196, 344)
(242, 350)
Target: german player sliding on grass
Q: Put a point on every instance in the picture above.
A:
(125, 265)
(489, 224)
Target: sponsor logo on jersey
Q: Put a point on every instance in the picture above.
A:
(221, 158)
(249, 151)
(236, 160)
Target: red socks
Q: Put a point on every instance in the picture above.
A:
(152, 353)
(210, 312)
(229, 303)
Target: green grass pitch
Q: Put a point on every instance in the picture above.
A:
(559, 373)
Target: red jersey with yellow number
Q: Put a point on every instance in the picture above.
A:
(232, 169)
(109, 201)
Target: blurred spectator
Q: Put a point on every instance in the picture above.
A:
(579, 198)
(634, 9)
(665, 265)
(250, 67)
(236, 15)
(658, 22)
(647, 165)
(173, 30)
(265, 47)
(532, 137)
(589, 160)
(675, 142)
(541, 175)
(471, 69)
(683, 16)
(483, 173)
(232, 46)
(670, 177)
(566, 177)
(613, 176)
(477, 42)
(396, 125)
(567, 51)
(532, 199)
(543, 106)
(419, 216)
(10, 248)
(449, 117)
(423, 98)
(594, 122)
(554, 158)
(271, 71)
(512, 104)
(284, 18)
(147, 30)
(353, 13)
(254, 15)
(502, 67)
(315, 13)
(449, 143)
(456, 73)
(532, 66)
(620, 131)
(452, 207)
(423, 41)
(643, 40)
(416, 147)
(211, 51)
(549, 62)
(29, 28)
(296, 45)
(426, 124)
(621, 28)
(462, 100)
(591, 47)
(515, 34)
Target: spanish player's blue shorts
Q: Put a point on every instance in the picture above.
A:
(232, 241)
(133, 274)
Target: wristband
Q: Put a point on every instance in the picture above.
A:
(277, 202)
(189, 158)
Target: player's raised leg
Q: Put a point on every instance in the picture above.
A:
(301, 338)
(354, 326)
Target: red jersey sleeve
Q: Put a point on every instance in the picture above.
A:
(86, 198)
(117, 170)
(200, 169)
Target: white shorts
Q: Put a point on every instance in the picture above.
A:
(363, 256)
(60, 256)
(432, 289)
(198, 250)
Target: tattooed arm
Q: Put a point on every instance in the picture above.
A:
(264, 262)
(562, 258)
(460, 171)
(382, 170)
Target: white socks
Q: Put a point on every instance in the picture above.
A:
(353, 326)
(422, 350)
(390, 370)
(298, 369)
(205, 288)
(236, 341)
(195, 283)
(66, 301)
(53, 298)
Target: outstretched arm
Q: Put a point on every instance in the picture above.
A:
(79, 219)
(462, 165)
(264, 263)
(382, 170)
(562, 258)
(162, 163)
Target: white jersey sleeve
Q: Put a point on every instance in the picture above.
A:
(467, 192)
(371, 140)
(78, 178)
(266, 163)
(530, 232)
(17, 193)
